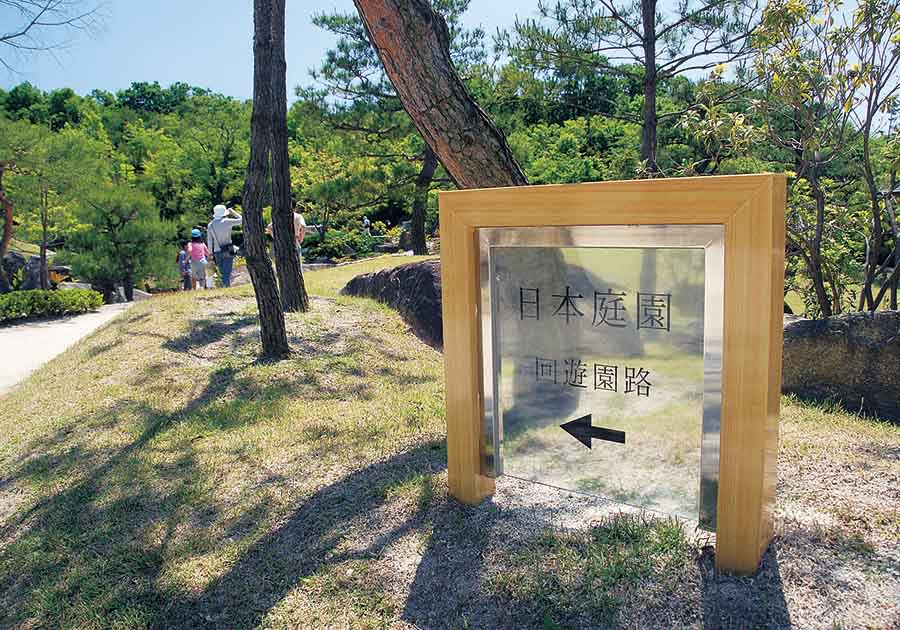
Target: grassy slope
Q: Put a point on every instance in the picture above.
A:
(157, 475)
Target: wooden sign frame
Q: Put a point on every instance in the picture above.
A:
(752, 210)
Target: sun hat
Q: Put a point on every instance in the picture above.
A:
(195, 233)
(219, 211)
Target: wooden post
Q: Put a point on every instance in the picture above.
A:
(751, 208)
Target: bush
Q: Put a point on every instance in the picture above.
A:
(337, 244)
(41, 303)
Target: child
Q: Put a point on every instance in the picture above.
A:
(199, 259)
(184, 265)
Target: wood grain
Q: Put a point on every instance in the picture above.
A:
(751, 207)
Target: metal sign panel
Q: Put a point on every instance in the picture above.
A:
(602, 361)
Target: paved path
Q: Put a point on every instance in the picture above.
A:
(26, 347)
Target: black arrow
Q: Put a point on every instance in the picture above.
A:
(581, 430)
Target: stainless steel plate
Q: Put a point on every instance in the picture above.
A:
(602, 361)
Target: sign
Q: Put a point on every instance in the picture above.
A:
(609, 323)
(620, 339)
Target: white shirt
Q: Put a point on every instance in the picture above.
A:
(218, 232)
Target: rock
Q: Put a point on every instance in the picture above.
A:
(137, 295)
(32, 274)
(387, 248)
(852, 358)
(15, 263)
(12, 262)
(413, 289)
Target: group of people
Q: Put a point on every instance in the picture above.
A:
(195, 255)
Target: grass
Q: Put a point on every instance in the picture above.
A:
(157, 474)
(585, 573)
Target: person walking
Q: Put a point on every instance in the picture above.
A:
(299, 234)
(218, 240)
(184, 265)
(199, 259)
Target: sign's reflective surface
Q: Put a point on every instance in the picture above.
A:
(597, 362)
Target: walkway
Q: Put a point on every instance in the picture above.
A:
(26, 347)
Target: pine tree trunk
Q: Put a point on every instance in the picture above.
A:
(128, 283)
(413, 44)
(648, 130)
(271, 317)
(45, 275)
(290, 274)
(420, 202)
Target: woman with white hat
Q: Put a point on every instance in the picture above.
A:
(218, 239)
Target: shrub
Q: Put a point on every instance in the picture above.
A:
(41, 303)
(331, 247)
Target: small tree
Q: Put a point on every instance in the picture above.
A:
(18, 140)
(808, 94)
(873, 35)
(120, 236)
(58, 169)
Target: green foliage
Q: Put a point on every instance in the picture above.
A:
(337, 244)
(579, 150)
(45, 303)
(152, 98)
(120, 237)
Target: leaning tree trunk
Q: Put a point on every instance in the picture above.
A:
(420, 202)
(290, 274)
(413, 43)
(271, 317)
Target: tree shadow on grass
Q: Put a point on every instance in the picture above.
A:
(205, 332)
(310, 541)
(102, 540)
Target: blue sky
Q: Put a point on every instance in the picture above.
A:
(207, 43)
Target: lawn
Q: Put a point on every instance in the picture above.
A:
(158, 475)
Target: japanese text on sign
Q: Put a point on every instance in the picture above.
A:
(577, 373)
(609, 308)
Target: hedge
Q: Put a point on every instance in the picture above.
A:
(40, 303)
